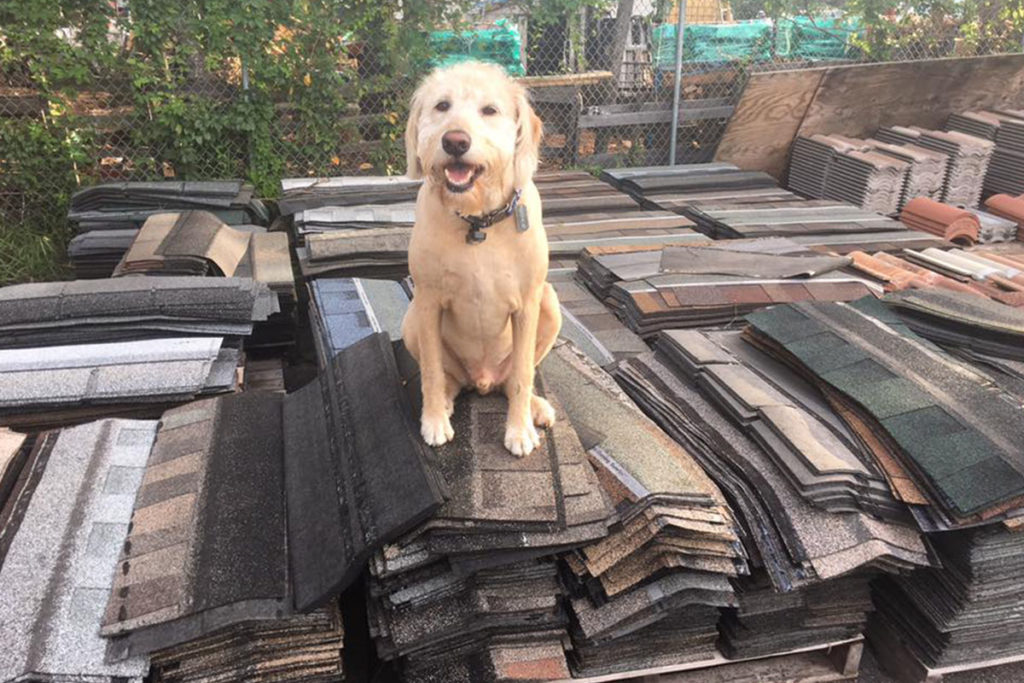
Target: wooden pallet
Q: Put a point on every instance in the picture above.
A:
(820, 664)
(900, 663)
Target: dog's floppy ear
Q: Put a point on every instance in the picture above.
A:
(413, 166)
(530, 131)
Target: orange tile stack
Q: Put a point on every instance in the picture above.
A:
(948, 222)
(1008, 207)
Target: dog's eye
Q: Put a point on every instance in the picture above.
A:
(443, 105)
(489, 110)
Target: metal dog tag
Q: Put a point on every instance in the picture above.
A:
(522, 219)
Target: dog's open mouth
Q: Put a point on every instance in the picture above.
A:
(459, 176)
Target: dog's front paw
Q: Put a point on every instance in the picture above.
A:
(521, 439)
(436, 431)
(542, 412)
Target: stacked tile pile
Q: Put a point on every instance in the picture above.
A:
(1010, 208)
(645, 595)
(968, 159)
(985, 274)
(946, 221)
(848, 169)
(927, 172)
(1006, 129)
(472, 594)
(714, 284)
(107, 216)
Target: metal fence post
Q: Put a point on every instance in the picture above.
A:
(676, 84)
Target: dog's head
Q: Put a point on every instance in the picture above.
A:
(473, 134)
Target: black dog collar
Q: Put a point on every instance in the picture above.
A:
(477, 224)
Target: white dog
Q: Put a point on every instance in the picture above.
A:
(483, 315)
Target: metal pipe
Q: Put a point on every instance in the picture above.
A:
(676, 84)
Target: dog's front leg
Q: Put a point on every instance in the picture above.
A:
(435, 426)
(520, 435)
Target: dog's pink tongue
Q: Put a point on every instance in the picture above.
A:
(458, 174)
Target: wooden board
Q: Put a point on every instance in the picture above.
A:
(767, 119)
(835, 662)
(856, 100)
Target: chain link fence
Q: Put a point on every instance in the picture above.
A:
(102, 90)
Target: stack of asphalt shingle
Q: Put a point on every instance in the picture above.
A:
(934, 425)
(129, 309)
(95, 254)
(767, 622)
(809, 161)
(647, 593)
(472, 593)
(968, 159)
(57, 385)
(963, 320)
(785, 416)
(297, 649)
(208, 569)
(593, 328)
(304, 194)
(795, 542)
(127, 205)
(1006, 129)
(374, 253)
(581, 211)
(673, 188)
(970, 610)
(713, 284)
(356, 217)
(198, 243)
(847, 169)
(804, 221)
(342, 311)
(59, 555)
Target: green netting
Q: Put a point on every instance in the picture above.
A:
(501, 45)
(798, 38)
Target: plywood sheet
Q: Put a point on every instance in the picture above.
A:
(856, 100)
(767, 119)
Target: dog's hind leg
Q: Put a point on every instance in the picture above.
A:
(548, 326)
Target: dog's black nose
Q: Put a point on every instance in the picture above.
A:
(455, 142)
